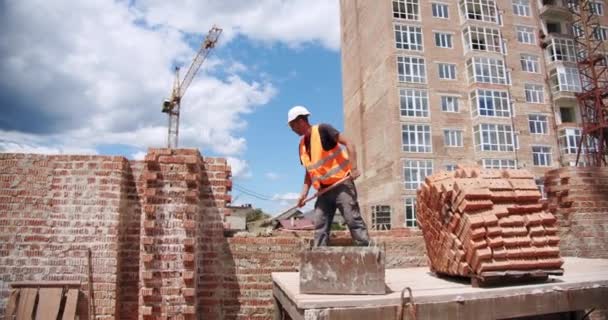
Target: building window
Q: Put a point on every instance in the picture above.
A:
(406, 9)
(443, 40)
(410, 212)
(414, 172)
(538, 124)
(486, 70)
(450, 167)
(567, 114)
(483, 10)
(498, 163)
(601, 33)
(408, 37)
(526, 35)
(521, 8)
(540, 183)
(413, 103)
(416, 137)
(597, 8)
(381, 217)
(553, 27)
(565, 79)
(452, 138)
(490, 103)
(494, 137)
(569, 139)
(411, 69)
(449, 104)
(541, 156)
(482, 39)
(447, 71)
(529, 63)
(440, 10)
(534, 93)
(562, 50)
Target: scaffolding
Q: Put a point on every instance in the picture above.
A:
(593, 98)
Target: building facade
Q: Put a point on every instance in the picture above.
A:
(429, 84)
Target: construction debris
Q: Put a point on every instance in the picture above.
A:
(487, 224)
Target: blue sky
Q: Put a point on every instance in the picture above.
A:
(89, 78)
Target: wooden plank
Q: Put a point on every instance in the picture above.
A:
(42, 284)
(12, 304)
(69, 312)
(25, 309)
(49, 301)
(389, 312)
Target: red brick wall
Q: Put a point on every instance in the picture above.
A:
(579, 199)
(52, 209)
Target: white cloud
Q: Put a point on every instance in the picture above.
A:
(290, 196)
(140, 155)
(240, 168)
(273, 176)
(79, 74)
(294, 22)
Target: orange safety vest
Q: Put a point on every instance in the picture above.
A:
(323, 167)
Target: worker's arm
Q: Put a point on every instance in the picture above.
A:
(305, 189)
(352, 155)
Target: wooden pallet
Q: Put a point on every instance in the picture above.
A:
(500, 278)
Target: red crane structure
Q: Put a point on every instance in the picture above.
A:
(593, 71)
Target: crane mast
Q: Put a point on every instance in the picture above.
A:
(172, 105)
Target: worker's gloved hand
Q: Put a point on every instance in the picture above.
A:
(355, 173)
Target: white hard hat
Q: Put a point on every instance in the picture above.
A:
(295, 112)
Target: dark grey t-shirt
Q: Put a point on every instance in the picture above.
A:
(329, 137)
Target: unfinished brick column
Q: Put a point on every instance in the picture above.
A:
(579, 199)
(169, 223)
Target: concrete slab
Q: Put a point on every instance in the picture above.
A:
(583, 285)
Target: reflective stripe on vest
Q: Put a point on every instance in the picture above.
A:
(323, 167)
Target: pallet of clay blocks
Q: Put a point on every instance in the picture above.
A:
(488, 225)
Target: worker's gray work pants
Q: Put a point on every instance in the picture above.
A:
(344, 198)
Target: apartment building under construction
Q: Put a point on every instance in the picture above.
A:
(429, 84)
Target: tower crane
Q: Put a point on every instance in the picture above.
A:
(171, 106)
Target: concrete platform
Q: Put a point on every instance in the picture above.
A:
(584, 285)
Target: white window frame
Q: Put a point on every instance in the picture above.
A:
(484, 39)
(449, 103)
(494, 137)
(526, 35)
(410, 213)
(408, 37)
(530, 63)
(487, 10)
(560, 49)
(443, 40)
(569, 139)
(450, 166)
(601, 33)
(416, 66)
(597, 8)
(406, 9)
(416, 170)
(381, 217)
(453, 138)
(538, 124)
(490, 103)
(540, 183)
(565, 79)
(440, 10)
(534, 93)
(446, 71)
(541, 156)
(486, 70)
(498, 163)
(521, 8)
(413, 103)
(416, 137)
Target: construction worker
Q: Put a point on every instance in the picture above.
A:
(327, 162)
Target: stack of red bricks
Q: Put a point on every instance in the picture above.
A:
(482, 220)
